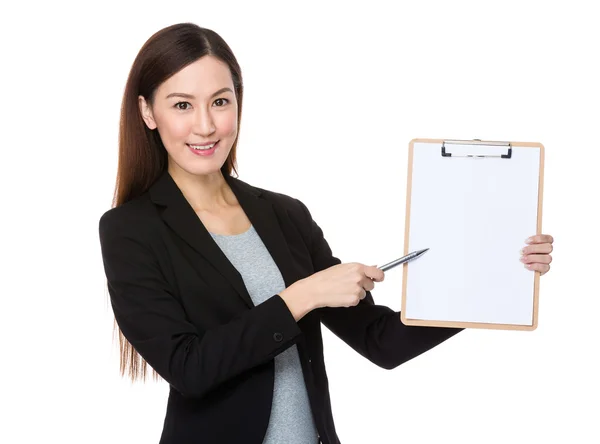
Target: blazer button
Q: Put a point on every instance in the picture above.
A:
(278, 337)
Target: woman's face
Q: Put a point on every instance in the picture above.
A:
(196, 106)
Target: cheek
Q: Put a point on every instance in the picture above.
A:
(174, 128)
(228, 124)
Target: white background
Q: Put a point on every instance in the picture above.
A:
(334, 94)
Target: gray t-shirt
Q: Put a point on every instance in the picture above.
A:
(291, 419)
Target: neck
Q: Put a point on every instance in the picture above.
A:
(207, 192)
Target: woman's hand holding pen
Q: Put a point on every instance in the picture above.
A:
(342, 285)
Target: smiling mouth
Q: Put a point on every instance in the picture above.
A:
(202, 147)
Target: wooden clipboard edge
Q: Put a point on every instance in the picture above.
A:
(407, 226)
(480, 325)
(536, 282)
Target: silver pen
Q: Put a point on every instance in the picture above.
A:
(407, 258)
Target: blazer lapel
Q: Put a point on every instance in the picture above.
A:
(180, 216)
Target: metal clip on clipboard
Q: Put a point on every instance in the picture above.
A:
(476, 142)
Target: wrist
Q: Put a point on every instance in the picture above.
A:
(298, 302)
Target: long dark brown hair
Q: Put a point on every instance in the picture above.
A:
(142, 155)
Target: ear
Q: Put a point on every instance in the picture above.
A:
(146, 113)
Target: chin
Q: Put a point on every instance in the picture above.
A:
(204, 171)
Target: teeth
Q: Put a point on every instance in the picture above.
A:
(207, 147)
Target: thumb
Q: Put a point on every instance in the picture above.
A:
(371, 271)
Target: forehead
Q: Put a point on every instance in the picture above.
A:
(201, 78)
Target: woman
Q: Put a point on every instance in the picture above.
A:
(219, 286)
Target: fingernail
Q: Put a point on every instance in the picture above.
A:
(522, 251)
(529, 240)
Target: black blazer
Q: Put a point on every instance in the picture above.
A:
(184, 307)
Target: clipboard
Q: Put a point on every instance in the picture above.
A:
(473, 203)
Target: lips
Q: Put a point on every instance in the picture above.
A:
(205, 151)
(201, 144)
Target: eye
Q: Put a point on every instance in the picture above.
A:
(221, 99)
(182, 103)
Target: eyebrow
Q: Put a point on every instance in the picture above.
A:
(190, 96)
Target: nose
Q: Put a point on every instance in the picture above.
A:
(203, 123)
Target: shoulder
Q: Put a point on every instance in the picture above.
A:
(131, 219)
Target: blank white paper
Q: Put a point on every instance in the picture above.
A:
(474, 215)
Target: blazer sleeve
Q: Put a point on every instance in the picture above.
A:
(154, 322)
(374, 331)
